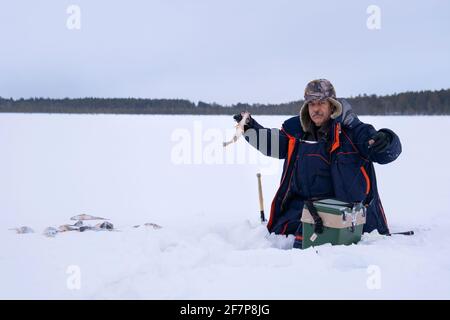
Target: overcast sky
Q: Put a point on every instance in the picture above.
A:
(224, 51)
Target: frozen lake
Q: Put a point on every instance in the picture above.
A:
(173, 171)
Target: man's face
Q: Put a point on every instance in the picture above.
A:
(319, 111)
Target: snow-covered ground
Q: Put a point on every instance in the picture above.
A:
(163, 169)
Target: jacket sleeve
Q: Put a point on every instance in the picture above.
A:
(363, 133)
(270, 142)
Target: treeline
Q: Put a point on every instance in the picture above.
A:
(407, 103)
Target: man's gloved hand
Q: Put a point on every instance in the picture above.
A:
(379, 142)
(248, 123)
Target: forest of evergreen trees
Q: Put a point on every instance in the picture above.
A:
(407, 103)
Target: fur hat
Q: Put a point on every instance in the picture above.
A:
(319, 89)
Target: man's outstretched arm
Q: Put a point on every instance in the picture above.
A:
(270, 142)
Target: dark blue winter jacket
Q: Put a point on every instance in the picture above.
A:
(340, 168)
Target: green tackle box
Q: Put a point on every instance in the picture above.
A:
(342, 223)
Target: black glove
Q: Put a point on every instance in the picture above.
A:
(248, 124)
(381, 141)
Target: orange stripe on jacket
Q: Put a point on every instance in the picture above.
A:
(366, 176)
(291, 146)
(285, 228)
(336, 142)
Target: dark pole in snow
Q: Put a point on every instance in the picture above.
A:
(405, 233)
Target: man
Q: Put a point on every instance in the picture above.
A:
(329, 153)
